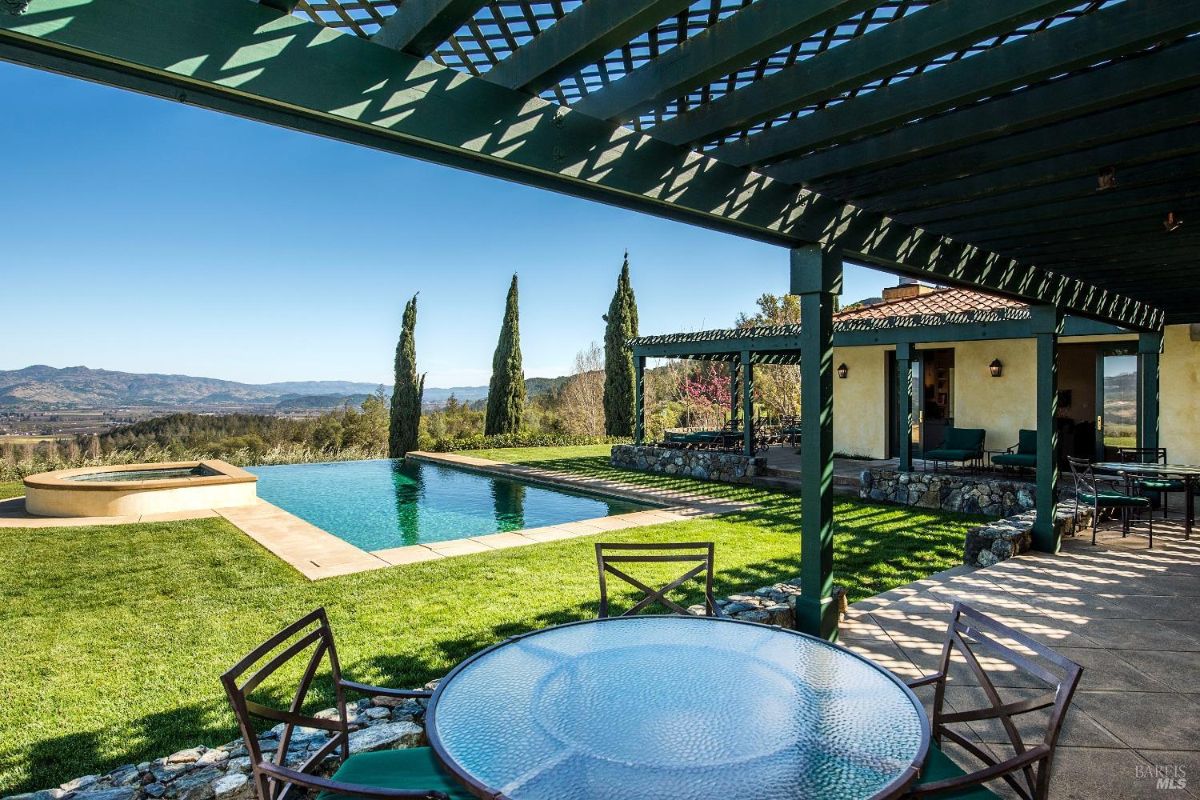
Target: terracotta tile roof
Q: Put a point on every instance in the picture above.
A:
(940, 301)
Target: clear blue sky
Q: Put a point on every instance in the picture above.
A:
(147, 236)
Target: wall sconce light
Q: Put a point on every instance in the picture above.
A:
(1107, 179)
(996, 368)
(1172, 223)
(843, 370)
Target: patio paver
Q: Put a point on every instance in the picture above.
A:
(1126, 613)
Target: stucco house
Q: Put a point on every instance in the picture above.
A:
(989, 382)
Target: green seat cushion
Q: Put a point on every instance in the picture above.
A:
(939, 767)
(412, 768)
(1114, 500)
(950, 454)
(1027, 443)
(1015, 459)
(1162, 485)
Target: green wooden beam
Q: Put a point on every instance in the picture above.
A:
(286, 6)
(904, 405)
(1086, 186)
(1150, 347)
(1086, 162)
(916, 39)
(747, 404)
(419, 26)
(752, 33)
(1047, 324)
(1075, 209)
(1090, 39)
(639, 399)
(1147, 216)
(1168, 111)
(1097, 90)
(583, 36)
(817, 279)
(238, 57)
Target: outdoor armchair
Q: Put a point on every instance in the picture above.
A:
(408, 774)
(1022, 455)
(1090, 491)
(979, 640)
(960, 446)
(1159, 486)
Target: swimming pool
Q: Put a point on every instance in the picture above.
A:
(376, 505)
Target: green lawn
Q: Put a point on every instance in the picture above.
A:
(114, 637)
(8, 490)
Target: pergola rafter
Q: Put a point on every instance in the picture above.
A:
(238, 57)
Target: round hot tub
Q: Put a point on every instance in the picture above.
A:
(137, 489)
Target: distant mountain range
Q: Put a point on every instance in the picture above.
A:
(43, 388)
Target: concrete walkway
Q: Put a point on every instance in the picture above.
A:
(1126, 613)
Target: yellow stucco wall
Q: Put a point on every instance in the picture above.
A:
(860, 402)
(1001, 406)
(1179, 396)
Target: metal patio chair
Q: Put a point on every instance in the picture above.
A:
(406, 774)
(697, 554)
(973, 634)
(1090, 492)
(1159, 486)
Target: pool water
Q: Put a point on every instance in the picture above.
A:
(142, 474)
(386, 503)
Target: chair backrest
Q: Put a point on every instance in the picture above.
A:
(699, 555)
(973, 635)
(1142, 455)
(1082, 476)
(964, 439)
(1027, 442)
(311, 637)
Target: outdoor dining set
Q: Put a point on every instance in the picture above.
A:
(670, 706)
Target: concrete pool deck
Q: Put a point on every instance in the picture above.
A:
(317, 554)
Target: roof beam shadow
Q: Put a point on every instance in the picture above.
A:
(419, 26)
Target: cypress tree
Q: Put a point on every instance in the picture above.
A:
(506, 391)
(622, 325)
(405, 418)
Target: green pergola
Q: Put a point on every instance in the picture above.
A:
(1045, 150)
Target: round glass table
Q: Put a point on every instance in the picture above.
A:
(675, 708)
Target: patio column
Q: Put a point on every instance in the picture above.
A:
(904, 359)
(1046, 323)
(747, 404)
(639, 399)
(1149, 349)
(733, 393)
(817, 279)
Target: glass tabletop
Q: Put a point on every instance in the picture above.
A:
(1136, 468)
(675, 708)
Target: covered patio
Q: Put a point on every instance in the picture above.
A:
(1045, 151)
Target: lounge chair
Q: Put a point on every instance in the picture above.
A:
(1022, 455)
(960, 446)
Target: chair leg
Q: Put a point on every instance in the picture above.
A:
(1095, 522)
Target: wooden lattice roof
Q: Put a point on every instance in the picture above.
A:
(1045, 150)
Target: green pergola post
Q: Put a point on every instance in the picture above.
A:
(1149, 349)
(904, 359)
(1046, 324)
(733, 393)
(747, 404)
(639, 399)
(817, 279)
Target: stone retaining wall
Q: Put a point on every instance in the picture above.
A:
(1005, 538)
(971, 494)
(709, 465)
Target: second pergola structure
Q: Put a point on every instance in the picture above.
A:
(956, 141)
